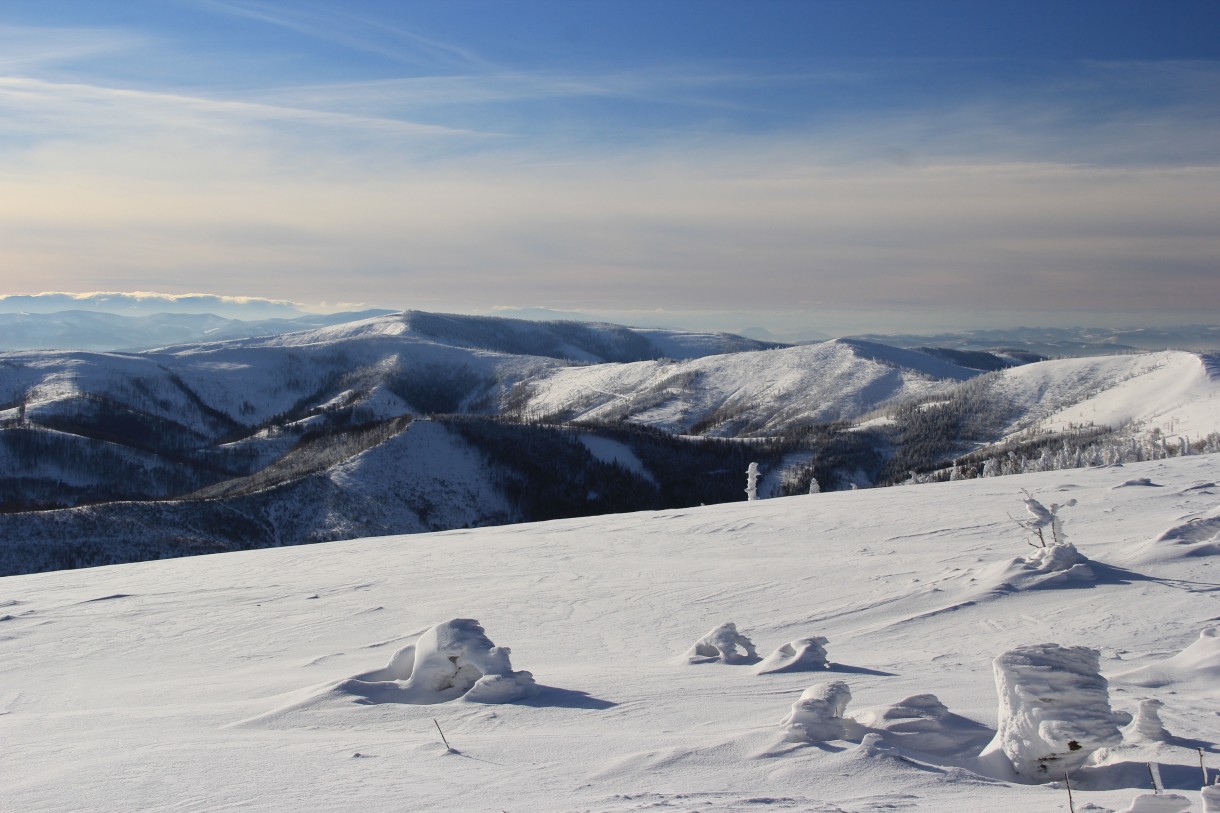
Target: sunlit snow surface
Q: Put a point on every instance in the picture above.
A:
(215, 682)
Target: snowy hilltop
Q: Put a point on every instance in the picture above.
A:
(923, 657)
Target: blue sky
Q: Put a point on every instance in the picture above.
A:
(840, 166)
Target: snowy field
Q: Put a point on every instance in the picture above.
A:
(262, 680)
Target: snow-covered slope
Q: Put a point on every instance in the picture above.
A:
(1177, 393)
(741, 393)
(257, 680)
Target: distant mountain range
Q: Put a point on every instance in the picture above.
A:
(402, 422)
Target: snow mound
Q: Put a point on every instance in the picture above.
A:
(1050, 566)
(1138, 481)
(1054, 710)
(1197, 664)
(1211, 799)
(1158, 803)
(1199, 537)
(818, 715)
(1147, 725)
(451, 660)
(722, 644)
(922, 722)
(801, 655)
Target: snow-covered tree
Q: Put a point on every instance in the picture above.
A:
(814, 488)
(752, 482)
(1041, 517)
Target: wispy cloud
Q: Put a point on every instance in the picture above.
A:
(343, 27)
(31, 48)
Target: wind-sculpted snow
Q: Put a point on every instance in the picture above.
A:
(257, 679)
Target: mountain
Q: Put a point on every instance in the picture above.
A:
(419, 422)
(260, 680)
(743, 394)
(95, 330)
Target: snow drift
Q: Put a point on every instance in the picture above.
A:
(1197, 664)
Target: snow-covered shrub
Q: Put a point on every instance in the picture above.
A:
(1054, 710)
(1041, 518)
(721, 644)
(752, 482)
(818, 714)
(456, 659)
(1147, 725)
(801, 655)
(923, 723)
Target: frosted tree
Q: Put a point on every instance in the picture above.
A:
(814, 488)
(752, 482)
(1041, 518)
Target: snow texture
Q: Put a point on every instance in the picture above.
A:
(801, 655)
(1054, 709)
(725, 644)
(1211, 799)
(818, 715)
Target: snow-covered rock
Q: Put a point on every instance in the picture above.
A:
(818, 714)
(922, 723)
(723, 643)
(801, 655)
(1054, 710)
(1147, 725)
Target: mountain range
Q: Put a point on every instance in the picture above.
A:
(408, 422)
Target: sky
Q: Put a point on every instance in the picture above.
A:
(841, 166)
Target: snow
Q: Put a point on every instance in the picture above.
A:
(818, 714)
(1153, 803)
(758, 393)
(801, 655)
(620, 454)
(1147, 725)
(1197, 664)
(723, 644)
(1171, 391)
(213, 682)
(1054, 710)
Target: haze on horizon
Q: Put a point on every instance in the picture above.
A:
(877, 163)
